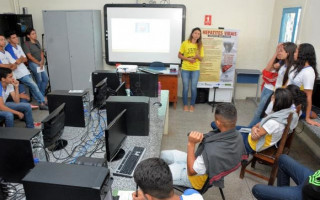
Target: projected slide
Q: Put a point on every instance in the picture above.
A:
(140, 35)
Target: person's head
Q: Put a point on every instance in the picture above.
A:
(154, 178)
(282, 99)
(6, 75)
(196, 35)
(305, 55)
(299, 97)
(225, 116)
(286, 53)
(12, 37)
(2, 41)
(31, 34)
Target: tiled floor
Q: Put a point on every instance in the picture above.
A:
(181, 123)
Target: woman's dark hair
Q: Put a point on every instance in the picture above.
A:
(28, 32)
(299, 97)
(289, 48)
(283, 99)
(199, 41)
(306, 53)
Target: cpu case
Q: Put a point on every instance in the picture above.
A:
(137, 114)
(18, 149)
(113, 81)
(144, 84)
(52, 181)
(77, 108)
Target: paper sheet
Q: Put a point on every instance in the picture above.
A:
(125, 195)
(40, 70)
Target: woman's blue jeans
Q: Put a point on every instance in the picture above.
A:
(265, 94)
(288, 168)
(41, 78)
(188, 76)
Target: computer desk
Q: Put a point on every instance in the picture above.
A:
(152, 143)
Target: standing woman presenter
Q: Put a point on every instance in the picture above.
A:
(191, 53)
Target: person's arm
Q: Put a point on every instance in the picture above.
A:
(30, 57)
(308, 110)
(182, 57)
(198, 57)
(15, 94)
(23, 59)
(271, 65)
(257, 133)
(3, 107)
(194, 138)
(10, 66)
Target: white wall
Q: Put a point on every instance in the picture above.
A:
(309, 29)
(252, 17)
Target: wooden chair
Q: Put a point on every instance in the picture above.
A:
(270, 156)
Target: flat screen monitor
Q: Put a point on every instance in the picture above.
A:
(115, 135)
(100, 94)
(143, 33)
(52, 129)
(15, 22)
(144, 84)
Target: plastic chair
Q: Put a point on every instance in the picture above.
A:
(269, 156)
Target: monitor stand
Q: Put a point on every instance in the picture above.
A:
(58, 145)
(119, 155)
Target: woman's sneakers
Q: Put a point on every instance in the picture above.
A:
(43, 107)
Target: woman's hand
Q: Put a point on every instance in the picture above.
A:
(312, 122)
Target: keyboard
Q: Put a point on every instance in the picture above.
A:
(130, 162)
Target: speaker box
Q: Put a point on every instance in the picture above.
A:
(144, 84)
(113, 81)
(137, 114)
(52, 181)
(77, 105)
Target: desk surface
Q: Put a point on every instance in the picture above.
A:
(152, 143)
(248, 71)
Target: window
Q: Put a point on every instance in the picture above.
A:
(289, 24)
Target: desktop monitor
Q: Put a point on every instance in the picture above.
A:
(115, 135)
(100, 93)
(52, 129)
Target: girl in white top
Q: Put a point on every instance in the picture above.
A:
(286, 53)
(304, 74)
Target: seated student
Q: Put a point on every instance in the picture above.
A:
(154, 178)
(269, 131)
(307, 181)
(218, 152)
(9, 86)
(21, 72)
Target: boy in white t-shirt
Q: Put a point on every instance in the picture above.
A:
(9, 86)
(154, 178)
(21, 72)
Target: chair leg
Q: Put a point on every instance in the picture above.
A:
(253, 163)
(244, 164)
(221, 192)
(273, 174)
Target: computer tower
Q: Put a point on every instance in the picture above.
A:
(77, 108)
(316, 93)
(18, 148)
(137, 114)
(113, 81)
(52, 181)
(144, 84)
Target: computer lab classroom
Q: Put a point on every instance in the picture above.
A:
(118, 83)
